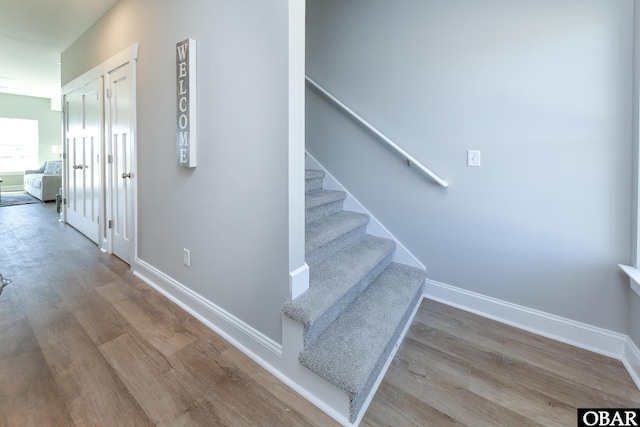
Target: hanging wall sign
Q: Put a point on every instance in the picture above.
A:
(186, 141)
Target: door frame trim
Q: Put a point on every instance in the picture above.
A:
(128, 55)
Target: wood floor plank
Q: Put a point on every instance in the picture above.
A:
(160, 321)
(395, 407)
(572, 363)
(96, 397)
(456, 402)
(165, 333)
(100, 320)
(17, 338)
(39, 301)
(204, 366)
(84, 342)
(468, 328)
(557, 387)
(526, 382)
(10, 307)
(514, 341)
(443, 349)
(570, 368)
(94, 393)
(277, 389)
(247, 401)
(159, 388)
(116, 291)
(517, 397)
(29, 396)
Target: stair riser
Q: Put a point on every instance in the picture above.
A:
(320, 211)
(321, 323)
(335, 245)
(313, 184)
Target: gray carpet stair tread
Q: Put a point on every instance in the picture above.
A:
(356, 345)
(329, 228)
(334, 276)
(320, 197)
(312, 173)
(358, 301)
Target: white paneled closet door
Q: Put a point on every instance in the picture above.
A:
(100, 154)
(83, 113)
(121, 145)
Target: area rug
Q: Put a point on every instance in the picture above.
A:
(15, 198)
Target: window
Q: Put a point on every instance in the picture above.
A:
(18, 144)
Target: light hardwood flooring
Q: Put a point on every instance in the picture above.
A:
(83, 342)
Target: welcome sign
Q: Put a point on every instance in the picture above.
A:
(186, 141)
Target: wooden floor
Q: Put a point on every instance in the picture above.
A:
(83, 342)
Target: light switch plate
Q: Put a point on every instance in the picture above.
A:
(473, 158)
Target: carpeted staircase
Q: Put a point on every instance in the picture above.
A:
(358, 302)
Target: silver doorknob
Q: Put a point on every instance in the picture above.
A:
(126, 175)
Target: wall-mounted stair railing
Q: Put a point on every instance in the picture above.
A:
(410, 159)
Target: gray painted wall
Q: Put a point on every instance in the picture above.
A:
(543, 88)
(232, 210)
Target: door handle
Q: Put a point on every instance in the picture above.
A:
(78, 166)
(126, 175)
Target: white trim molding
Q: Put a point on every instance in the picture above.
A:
(588, 337)
(582, 335)
(280, 360)
(374, 227)
(299, 281)
(634, 275)
(631, 361)
(203, 309)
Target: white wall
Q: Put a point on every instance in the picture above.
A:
(232, 210)
(542, 88)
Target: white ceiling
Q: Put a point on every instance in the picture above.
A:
(33, 34)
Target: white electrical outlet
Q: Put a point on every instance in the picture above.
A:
(187, 257)
(473, 158)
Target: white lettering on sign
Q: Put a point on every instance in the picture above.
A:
(186, 132)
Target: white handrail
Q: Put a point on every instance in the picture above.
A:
(410, 159)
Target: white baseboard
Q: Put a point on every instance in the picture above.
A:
(631, 361)
(578, 334)
(269, 354)
(6, 188)
(275, 358)
(215, 317)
